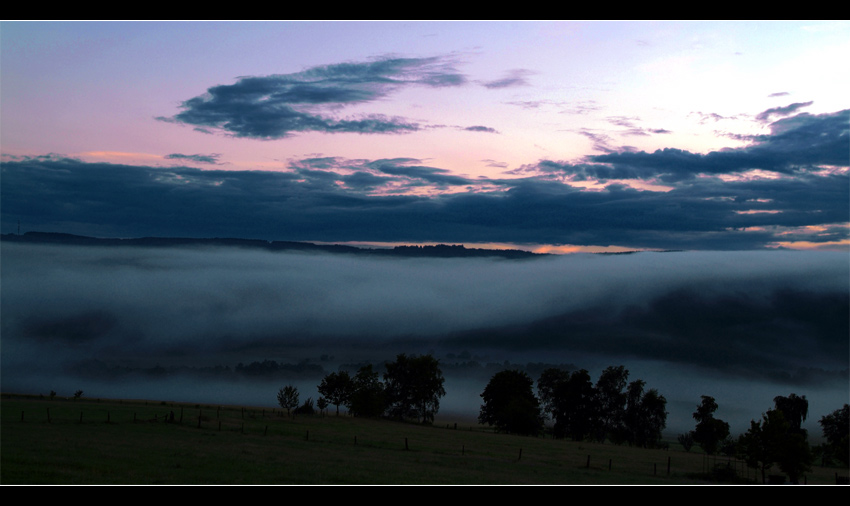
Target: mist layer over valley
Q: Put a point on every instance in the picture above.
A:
(177, 323)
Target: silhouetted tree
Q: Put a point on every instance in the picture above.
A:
(337, 387)
(510, 404)
(306, 408)
(836, 431)
(368, 398)
(652, 419)
(796, 457)
(710, 431)
(795, 409)
(548, 382)
(612, 400)
(413, 387)
(576, 410)
(761, 444)
(645, 415)
(287, 397)
(322, 404)
(687, 440)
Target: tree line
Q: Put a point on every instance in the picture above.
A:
(411, 389)
(612, 408)
(776, 439)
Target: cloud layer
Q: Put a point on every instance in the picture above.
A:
(277, 106)
(773, 318)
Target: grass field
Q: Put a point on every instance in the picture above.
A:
(99, 441)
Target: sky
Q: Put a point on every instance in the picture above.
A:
(547, 136)
(725, 142)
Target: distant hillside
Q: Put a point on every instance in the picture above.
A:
(439, 251)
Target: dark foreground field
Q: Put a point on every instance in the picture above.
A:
(90, 441)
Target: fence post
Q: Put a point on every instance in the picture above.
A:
(588, 462)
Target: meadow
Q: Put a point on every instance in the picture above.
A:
(101, 441)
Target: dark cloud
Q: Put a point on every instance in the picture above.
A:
(779, 94)
(767, 115)
(213, 158)
(403, 167)
(479, 128)
(514, 78)
(601, 141)
(276, 106)
(800, 142)
(309, 204)
(404, 199)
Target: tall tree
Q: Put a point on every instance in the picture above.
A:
(710, 431)
(547, 384)
(287, 397)
(795, 409)
(414, 386)
(760, 445)
(645, 415)
(652, 420)
(836, 431)
(510, 404)
(337, 388)
(576, 407)
(368, 398)
(612, 399)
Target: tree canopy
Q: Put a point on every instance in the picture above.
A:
(581, 410)
(337, 388)
(368, 397)
(576, 407)
(795, 409)
(413, 387)
(645, 415)
(710, 431)
(761, 444)
(510, 404)
(836, 431)
(287, 397)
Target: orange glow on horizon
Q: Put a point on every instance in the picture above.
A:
(551, 249)
(842, 245)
